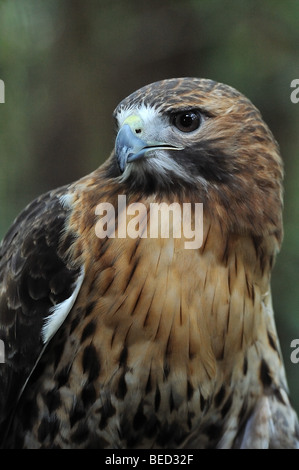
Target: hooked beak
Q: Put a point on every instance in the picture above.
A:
(129, 147)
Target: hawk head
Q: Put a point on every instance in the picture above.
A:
(196, 139)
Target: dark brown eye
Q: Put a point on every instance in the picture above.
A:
(187, 121)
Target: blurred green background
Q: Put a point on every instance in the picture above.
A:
(67, 63)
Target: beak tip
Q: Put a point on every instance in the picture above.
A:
(121, 161)
(127, 146)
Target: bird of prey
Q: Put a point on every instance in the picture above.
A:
(122, 341)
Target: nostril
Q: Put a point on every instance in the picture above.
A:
(138, 131)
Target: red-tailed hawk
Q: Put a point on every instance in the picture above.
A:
(121, 341)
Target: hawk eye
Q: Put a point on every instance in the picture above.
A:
(187, 121)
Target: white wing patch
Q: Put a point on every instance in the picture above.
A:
(59, 312)
(67, 201)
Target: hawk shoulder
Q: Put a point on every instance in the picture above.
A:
(39, 285)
